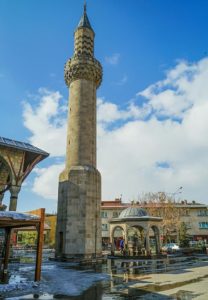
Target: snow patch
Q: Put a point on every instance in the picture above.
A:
(56, 279)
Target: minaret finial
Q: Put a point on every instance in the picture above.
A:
(84, 21)
(85, 6)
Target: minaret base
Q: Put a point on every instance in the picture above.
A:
(78, 233)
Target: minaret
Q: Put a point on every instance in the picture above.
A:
(78, 232)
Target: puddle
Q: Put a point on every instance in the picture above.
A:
(111, 281)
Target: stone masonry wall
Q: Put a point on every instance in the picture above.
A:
(78, 220)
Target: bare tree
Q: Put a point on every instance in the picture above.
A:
(163, 205)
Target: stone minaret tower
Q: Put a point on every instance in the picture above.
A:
(78, 232)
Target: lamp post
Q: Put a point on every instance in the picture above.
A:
(178, 191)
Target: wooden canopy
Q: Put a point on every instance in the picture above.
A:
(10, 220)
(17, 159)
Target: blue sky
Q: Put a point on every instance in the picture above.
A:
(154, 57)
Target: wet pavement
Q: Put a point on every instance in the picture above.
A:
(170, 278)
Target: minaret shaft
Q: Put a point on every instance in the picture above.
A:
(83, 75)
(81, 137)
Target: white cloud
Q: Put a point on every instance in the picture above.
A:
(46, 181)
(108, 112)
(113, 59)
(129, 152)
(128, 155)
(183, 87)
(46, 120)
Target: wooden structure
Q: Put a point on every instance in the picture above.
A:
(10, 220)
(17, 159)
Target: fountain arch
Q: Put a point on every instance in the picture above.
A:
(137, 226)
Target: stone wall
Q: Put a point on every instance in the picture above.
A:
(78, 222)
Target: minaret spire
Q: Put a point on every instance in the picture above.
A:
(85, 7)
(84, 21)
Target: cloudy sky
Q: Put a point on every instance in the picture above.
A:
(152, 105)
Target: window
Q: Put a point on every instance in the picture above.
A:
(104, 214)
(104, 227)
(203, 225)
(115, 214)
(203, 213)
(185, 212)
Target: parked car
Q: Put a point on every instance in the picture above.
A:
(170, 247)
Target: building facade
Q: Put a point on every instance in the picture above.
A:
(78, 231)
(27, 236)
(194, 215)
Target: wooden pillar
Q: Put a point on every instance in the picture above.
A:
(6, 255)
(39, 245)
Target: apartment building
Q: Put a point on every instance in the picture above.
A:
(194, 215)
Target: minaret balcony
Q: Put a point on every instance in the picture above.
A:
(83, 67)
